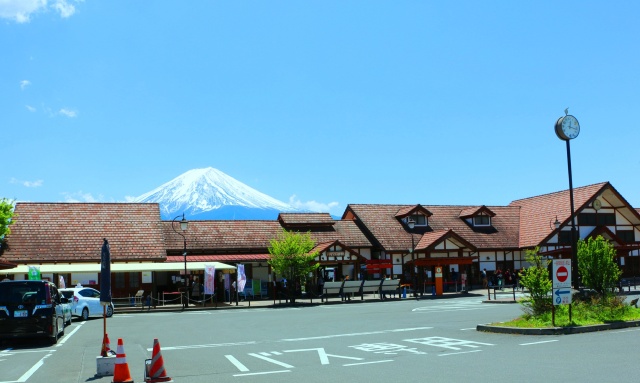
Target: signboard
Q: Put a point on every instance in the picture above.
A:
(561, 273)
(439, 272)
(561, 296)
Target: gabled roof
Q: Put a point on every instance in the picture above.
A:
(607, 234)
(538, 213)
(430, 240)
(476, 210)
(53, 232)
(382, 223)
(305, 219)
(412, 210)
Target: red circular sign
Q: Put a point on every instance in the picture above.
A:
(562, 273)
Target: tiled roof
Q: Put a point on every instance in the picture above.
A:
(392, 235)
(239, 236)
(431, 239)
(409, 210)
(537, 213)
(6, 265)
(50, 232)
(221, 258)
(305, 219)
(473, 211)
(221, 236)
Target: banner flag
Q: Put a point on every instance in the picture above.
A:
(34, 273)
(209, 279)
(242, 278)
(61, 284)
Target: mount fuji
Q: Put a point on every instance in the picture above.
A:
(209, 194)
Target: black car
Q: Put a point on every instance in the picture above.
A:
(31, 309)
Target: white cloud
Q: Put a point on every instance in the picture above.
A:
(22, 10)
(68, 112)
(29, 184)
(81, 196)
(23, 83)
(318, 207)
(30, 108)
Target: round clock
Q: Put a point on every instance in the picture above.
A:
(567, 128)
(597, 205)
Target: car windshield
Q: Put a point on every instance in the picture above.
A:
(21, 293)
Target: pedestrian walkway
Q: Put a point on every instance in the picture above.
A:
(300, 302)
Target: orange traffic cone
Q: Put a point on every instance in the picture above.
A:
(121, 372)
(157, 372)
(106, 346)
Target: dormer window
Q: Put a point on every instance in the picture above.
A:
(418, 219)
(482, 220)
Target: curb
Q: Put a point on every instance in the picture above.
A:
(557, 330)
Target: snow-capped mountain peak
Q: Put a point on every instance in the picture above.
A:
(206, 193)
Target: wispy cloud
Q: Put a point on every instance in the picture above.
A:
(22, 10)
(24, 84)
(81, 196)
(28, 184)
(30, 108)
(68, 112)
(318, 207)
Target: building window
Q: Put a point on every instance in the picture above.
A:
(626, 236)
(134, 280)
(481, 220)
(119, 281)
(564, 238)
(419, 219)
(596, 219)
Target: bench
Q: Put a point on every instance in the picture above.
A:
(389, 286)
(350, 287)
(331, 288)
(370, 286)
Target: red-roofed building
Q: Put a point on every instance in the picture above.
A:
(369, 239)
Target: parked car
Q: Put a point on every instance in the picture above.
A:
(66, 310)
(85, 302)
(31, 309)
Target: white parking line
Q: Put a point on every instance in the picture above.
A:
(542, 341)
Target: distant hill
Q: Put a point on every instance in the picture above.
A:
(209, 194)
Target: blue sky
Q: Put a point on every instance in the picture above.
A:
(319, 103)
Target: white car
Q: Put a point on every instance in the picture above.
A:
(85, 302)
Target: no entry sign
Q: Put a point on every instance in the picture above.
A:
(561, 273)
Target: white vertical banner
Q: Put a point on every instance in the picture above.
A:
(209, 279)
(242, 278)
(61, 284)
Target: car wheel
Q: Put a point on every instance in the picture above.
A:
(54, 338)
(85, 313)
(109, 311)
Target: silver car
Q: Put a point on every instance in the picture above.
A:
(85, 302)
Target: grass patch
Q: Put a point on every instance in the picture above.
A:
(583, 313)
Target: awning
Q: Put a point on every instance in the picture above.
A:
(117, 267)
(444, 261)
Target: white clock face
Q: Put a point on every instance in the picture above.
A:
(570, 127)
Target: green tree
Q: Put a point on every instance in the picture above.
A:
(597, 265)
(536, 279)
(6, 219)
(291, 258)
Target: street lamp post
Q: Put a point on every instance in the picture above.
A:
(411, 223)
(183, 226)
